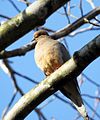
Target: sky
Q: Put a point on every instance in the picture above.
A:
(56, 109)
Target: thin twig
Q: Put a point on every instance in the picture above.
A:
(91, 3)
(40, 114)
(81, 8)
(92, 109)
(11, 73)
(92, 23)
(14, 5)
(97, 19)
(66, 14)
(90, 96)
(9, 105)
(4, 16)
(90, 80)
(25, 77)
(67, 30)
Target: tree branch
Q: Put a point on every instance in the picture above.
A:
(19, 51)
(14, 5)
(71, 69)
(33, 16)
(61, 33)
(67, 30)
(4, 16)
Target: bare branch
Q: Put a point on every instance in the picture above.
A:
(91, 3)
(25, 77)
(11, 74)
(67, 30)
(91, 81)
(14, 5)
(40, 114)
(92, 97)
(92, 109)
(97, 101)
(97, 19)
(93, 23)
(8, 69)
(4, 16)
(34, 15)
(91, 27)
(68, 19)
(18, 52)
(9, 105)
(56, 35)
(81, 8)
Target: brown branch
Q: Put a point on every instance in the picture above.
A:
(18, 52)
(61, 33)
(33, 16)
(76, 24)
(71, 69)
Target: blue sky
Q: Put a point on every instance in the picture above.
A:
(26, 65)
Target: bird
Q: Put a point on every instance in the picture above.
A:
(51, 54)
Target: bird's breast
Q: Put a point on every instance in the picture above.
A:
(48, 58)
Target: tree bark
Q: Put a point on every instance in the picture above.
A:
(61, 33)
(33, 16)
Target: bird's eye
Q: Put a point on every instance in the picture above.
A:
(37, 35)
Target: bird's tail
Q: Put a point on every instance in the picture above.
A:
(71, 90)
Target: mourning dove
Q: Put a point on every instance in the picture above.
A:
(49, 56)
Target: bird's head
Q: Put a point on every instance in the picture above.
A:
(40, 33)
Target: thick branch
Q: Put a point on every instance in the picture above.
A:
(32, 16)
(70, 69)
(61, 33)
